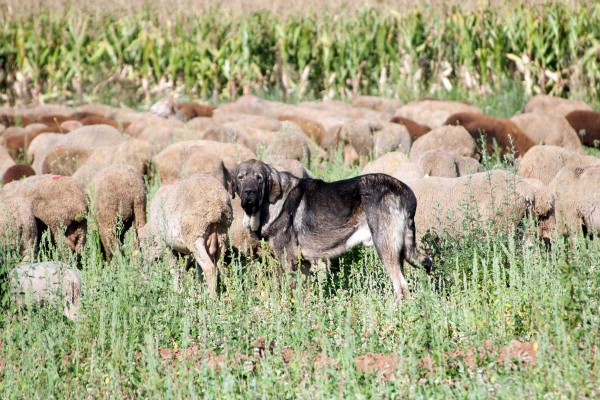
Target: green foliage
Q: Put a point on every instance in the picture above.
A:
(549, 48)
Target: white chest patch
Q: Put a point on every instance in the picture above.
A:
(251, 222)
(361, 235)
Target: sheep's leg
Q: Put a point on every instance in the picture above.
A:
(206, 263)
(139, 218)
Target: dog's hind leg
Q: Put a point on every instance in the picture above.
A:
(387, 232)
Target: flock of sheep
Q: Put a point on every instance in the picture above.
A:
(94, 160)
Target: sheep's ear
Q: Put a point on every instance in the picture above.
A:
(274, 185)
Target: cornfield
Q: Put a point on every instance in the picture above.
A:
(74, 56)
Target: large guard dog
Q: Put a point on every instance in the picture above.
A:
(317, 219)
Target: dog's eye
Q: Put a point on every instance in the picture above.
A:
(260, 179)
(240, 177)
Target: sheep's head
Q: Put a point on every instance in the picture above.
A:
(255, 182)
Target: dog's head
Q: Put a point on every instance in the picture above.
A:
(255, 182)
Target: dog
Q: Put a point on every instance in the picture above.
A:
(308, 219)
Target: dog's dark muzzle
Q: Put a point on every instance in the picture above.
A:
(250, 201)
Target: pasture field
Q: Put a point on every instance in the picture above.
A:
(501, 316)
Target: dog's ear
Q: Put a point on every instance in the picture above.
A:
(274, 184)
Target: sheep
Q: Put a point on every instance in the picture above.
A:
(162, 136)
(438, 163)
(408, 171)
(69, 126)
(506, 133)
(17, 172)
(576, 193)
(137, 127)
(201, 162)
(375, 137)
(187, 111)
(58, 202)
(118, 192)
(498, 197)
(544, 208)
(47, 283)
(135, 152)
(200, 124)
(17, 226)
(6, 161)
(312, 129)
(246, 120)
(169, 162)
(544, 162)
(294, 167)
(453, 139)
(414, 130)
(97, 120)
(192, 217)
(587, 126)
(380, 104)
(543, 103)
(386, 164)
(549, 129)
(87, 137)
(433, 113)
(65, 160)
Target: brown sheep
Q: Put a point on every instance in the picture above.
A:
(58, 202)
(499, 129)
(544, 162)
(414, 130)
(576, 193)
(543, 103)
(192, 217)
(54, 119)
(187, 111)
(453, 139)
(549, 129)
(69, 126)
(17, 172)
(118, 193)
(587, 126)
(312, 129)
(95, 120)
(433, 113)
(17, 226)
(65, 160)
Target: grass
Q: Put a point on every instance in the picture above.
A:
(487, 286)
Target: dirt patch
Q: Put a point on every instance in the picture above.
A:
(514, 356)
(193, 354)
(384, 365)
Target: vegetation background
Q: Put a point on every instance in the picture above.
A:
(139, 336)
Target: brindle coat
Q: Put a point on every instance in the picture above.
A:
(317, 219)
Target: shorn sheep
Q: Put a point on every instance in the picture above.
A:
(118, 191)
(47, 283)
(191, 217)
